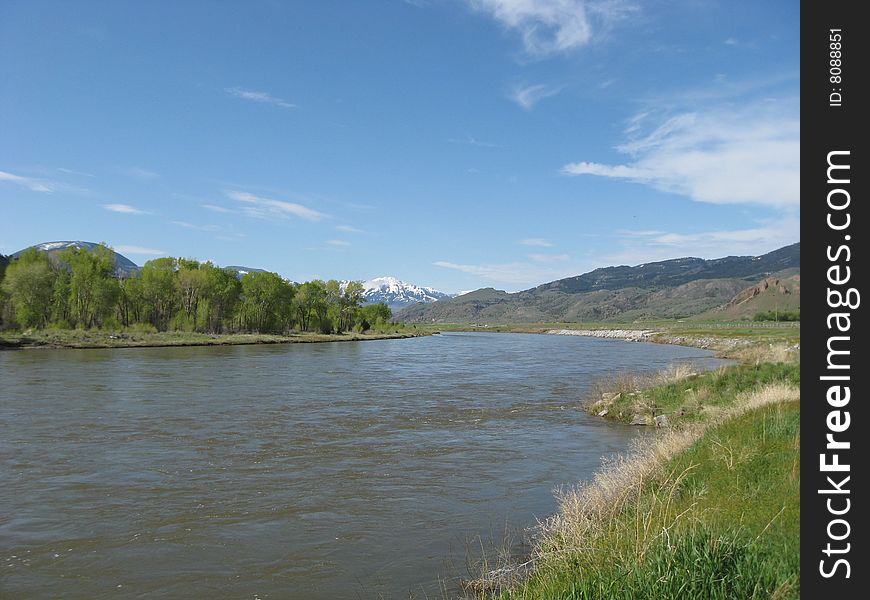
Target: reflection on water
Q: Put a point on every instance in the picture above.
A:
(354, 470)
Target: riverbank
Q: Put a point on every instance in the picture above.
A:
(708, 512)
(707, 508)
(746, 346)
(728, 342)
(745, 342)
(77, 338)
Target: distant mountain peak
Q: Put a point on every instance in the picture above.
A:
(398, 294)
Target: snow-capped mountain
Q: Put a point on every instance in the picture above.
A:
(397, 294)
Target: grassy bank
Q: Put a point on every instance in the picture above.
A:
(78, 338)
(682, 396)
(706, 511)
(705, 507)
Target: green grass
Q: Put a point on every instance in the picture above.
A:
(94, 338)
(690, 398)
(720, 520)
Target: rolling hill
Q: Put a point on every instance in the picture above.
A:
(675, 288)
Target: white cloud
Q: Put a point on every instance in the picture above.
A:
(187, 225)
(124, 209)
(646, 246)
(74, 172)
(338, 243)
(34, 185)
(539, 242)
(722, 156)
(555, 26)
(256, 96)
(529, 95)
(515, 273)
(348, 229)
(124, 249)
(266, 208)
(215, 208)
(549, 258)
(140, 173)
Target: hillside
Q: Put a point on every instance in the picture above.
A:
(667, 289)
(771, 295)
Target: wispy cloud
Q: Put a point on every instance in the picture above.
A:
(257, 96)
(187, 225)
(549, 258)
(74, 172)
(231, 237)
(529, 95)
(140, 173)
(348, 229)
(338, 243)
(35, 185)
(556, 26)
(645, 246)
(721, 156)
(218, 209)
(539, 242)
(124, 209)
(518, 273)
(140, 250)
(266, 208)
(470, 141)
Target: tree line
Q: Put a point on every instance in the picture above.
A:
(79, 288)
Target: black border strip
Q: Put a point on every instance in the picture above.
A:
(832, 120)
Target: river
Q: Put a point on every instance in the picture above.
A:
(309, 471)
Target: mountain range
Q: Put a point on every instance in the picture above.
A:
(667, 289)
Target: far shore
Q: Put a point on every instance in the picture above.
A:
(83, 339)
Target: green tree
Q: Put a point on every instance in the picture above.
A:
(160, 291)
(332, 317)
(349, 303)
(266, 302)
(131, 300)
(222, 292)
(93, 288)
(61, 315)
(312, 306)
(29, 283)
(374, 315)
(192, 282)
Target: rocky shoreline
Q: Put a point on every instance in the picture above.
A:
(630, 335)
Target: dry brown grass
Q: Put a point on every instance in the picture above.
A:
(606, 391)
(773, 352)
(589, 508)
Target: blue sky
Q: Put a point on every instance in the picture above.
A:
(456, 143)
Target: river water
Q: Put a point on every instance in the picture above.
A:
(342, 470)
